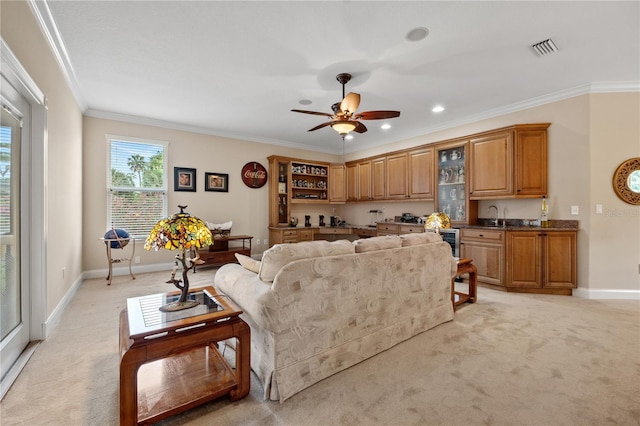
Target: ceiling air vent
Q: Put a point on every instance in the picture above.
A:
(545, 47)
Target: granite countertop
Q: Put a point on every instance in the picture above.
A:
(525, 225)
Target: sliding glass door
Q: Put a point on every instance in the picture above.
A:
(14, 294)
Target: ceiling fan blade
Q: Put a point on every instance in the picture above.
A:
(312, 112)
(360, 128)
(350, 102)
(320, 126)
(377, 115)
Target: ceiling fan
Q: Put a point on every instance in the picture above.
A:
(344, 118)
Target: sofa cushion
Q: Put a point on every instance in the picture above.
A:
(280, 255)
(420, 238)
(377, 243)
(248, 263)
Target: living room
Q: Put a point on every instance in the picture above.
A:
(594, 128)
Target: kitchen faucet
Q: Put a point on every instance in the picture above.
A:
(495, 221)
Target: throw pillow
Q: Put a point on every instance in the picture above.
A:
(377, 243)
(248, 263)
(420, 238)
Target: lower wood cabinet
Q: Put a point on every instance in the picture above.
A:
(486, 247)
(542, 261)
(290, 235)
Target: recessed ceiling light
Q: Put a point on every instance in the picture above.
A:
(304, 102)
(437, 108)
(385, 126)
(417, 34)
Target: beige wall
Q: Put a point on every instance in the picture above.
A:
(589, 136)
(614, 236)
(64, 153)
(246, 207)
(580, 129)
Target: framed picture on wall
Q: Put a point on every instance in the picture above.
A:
(217, 182)
(184, 179)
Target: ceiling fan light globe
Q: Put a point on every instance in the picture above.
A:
(343, 127)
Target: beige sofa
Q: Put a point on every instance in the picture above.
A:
(316, 308)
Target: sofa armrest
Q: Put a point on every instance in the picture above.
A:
(246, 290)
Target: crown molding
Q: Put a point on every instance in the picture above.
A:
(584, 89)
(40, 10)
(200, 130)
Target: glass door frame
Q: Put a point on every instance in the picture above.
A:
(33, 217)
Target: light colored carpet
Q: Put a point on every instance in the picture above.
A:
(509, 359)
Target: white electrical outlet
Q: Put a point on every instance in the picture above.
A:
(136, 259)
(575, 210)
(266, 242)
(598, 208)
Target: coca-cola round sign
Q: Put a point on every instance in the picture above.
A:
(254, 175)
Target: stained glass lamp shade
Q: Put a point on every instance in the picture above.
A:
(437, 221)
(187, 234)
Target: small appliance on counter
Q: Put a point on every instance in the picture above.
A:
(321, 221)
(374, 218)
(307, 221)
(408, 218)
(336, 221)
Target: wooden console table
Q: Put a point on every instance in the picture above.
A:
(465, 266)
(169, 361)
(220, 253)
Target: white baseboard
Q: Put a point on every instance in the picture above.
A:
(124, 270)
(56, 315)
(606, 294)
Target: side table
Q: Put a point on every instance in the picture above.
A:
(465, 266)
(169, 361)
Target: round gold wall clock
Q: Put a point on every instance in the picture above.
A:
(626, 181)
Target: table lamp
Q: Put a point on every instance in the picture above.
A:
(437, 221)
(185, 233)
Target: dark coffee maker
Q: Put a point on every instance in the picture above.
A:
(321, 222)
(307, 221)
(334, 221)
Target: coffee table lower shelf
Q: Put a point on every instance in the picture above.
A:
(180, 382)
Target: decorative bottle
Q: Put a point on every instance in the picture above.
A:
(544, 221)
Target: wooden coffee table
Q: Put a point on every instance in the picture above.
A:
(170, 360)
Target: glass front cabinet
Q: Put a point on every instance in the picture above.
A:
(452, 196)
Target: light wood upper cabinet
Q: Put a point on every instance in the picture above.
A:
(491, 168)
(378, 178)
(352, 181)
(364, 180)
(397, 173)
(421, 175)
(337, 183)
(531, 162)
(509, 162)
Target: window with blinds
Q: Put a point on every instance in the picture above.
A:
(136, 185)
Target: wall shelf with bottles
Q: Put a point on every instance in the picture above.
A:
(309, 182)
(298, 182)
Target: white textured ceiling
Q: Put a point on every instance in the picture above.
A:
(237, 68)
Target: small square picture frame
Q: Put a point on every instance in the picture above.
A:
(184, 179)
(216, 182)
